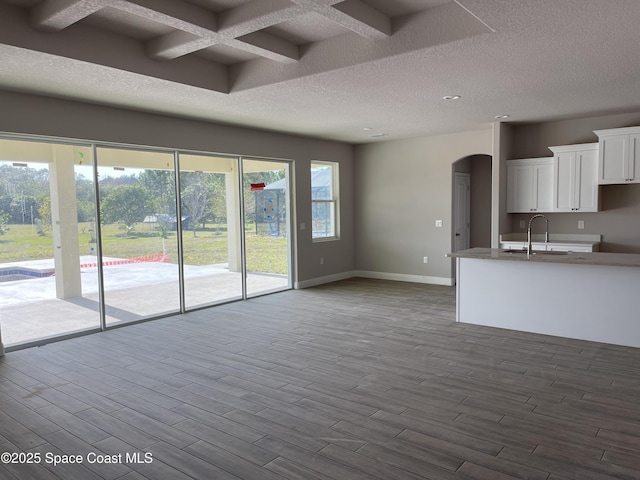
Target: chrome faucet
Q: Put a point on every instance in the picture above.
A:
(546, 234)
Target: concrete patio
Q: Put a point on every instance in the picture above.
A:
(30, 311)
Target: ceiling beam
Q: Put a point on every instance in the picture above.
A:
(270, 46)
(176, 44)
(55, 15)
(196, 32)
(186, 17)
(353, 15)
(115, 56)
(359, 17)
(349, 49)
(256, 15)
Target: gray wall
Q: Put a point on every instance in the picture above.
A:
(481, 201)
(402, 187)
(619, 218)
(29, 114)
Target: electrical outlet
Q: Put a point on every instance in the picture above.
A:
(521, 223)
(302, 226)
(439, 223)
(581, 224)
(425, 260)
(321, 260)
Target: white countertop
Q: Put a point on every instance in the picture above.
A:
(570, 258)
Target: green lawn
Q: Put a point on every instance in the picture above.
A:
(264, 253)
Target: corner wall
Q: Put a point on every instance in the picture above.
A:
(36, 115)
(402, 187)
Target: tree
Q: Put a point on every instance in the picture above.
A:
(160, 186)
(44, 210)
(125, 204)
(195, 202)
(4, 220)
(20, 187)
(218, 196)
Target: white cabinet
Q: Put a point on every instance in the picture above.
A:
(552, 247)
(575, 184)
(530, 185)
(619, 157)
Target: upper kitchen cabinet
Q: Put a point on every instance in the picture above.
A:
(575, 185)
(530, 185)
(619, 157)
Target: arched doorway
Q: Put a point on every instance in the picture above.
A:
(471, 203)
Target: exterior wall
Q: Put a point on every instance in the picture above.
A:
(36, 115)
(617, 221)
(402, 187)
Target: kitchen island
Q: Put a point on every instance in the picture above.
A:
(587, 296)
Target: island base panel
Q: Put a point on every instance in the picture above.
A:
(586, 302)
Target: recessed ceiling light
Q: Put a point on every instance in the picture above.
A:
(451, 97)
(367, 128)
(500, 117)
(378, 135)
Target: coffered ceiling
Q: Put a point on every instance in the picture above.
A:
(330, 68)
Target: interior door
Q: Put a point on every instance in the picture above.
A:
(462, 220)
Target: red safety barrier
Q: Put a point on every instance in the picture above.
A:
(156, 258)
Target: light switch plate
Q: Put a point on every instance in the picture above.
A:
(439, 223)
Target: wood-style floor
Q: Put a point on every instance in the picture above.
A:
(360, 379)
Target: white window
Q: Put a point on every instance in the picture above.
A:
(324, 200)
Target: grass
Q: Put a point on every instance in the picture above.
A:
(266, 254)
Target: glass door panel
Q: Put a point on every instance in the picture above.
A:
(210, 206)
(266, 223)
(138, 227)
(48, 274)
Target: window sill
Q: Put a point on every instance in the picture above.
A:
(324, 239)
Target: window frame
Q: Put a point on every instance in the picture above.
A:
(334, 200)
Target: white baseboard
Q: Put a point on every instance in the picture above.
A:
(396, 277)
(404, 277)
(322, 280)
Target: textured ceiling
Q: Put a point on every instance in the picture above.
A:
(330, 68)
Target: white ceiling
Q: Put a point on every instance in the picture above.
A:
(330, 68)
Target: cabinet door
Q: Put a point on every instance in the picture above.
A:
(543, 187)
(565, 181)
(634, 158)
(586, 191)
(519, 188)
(613, 159)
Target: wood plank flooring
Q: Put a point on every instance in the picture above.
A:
(359, 379)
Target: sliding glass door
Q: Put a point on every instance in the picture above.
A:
(176, 231)
(48, 270)
(266, 224)
(210, 210)
(138, 233)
